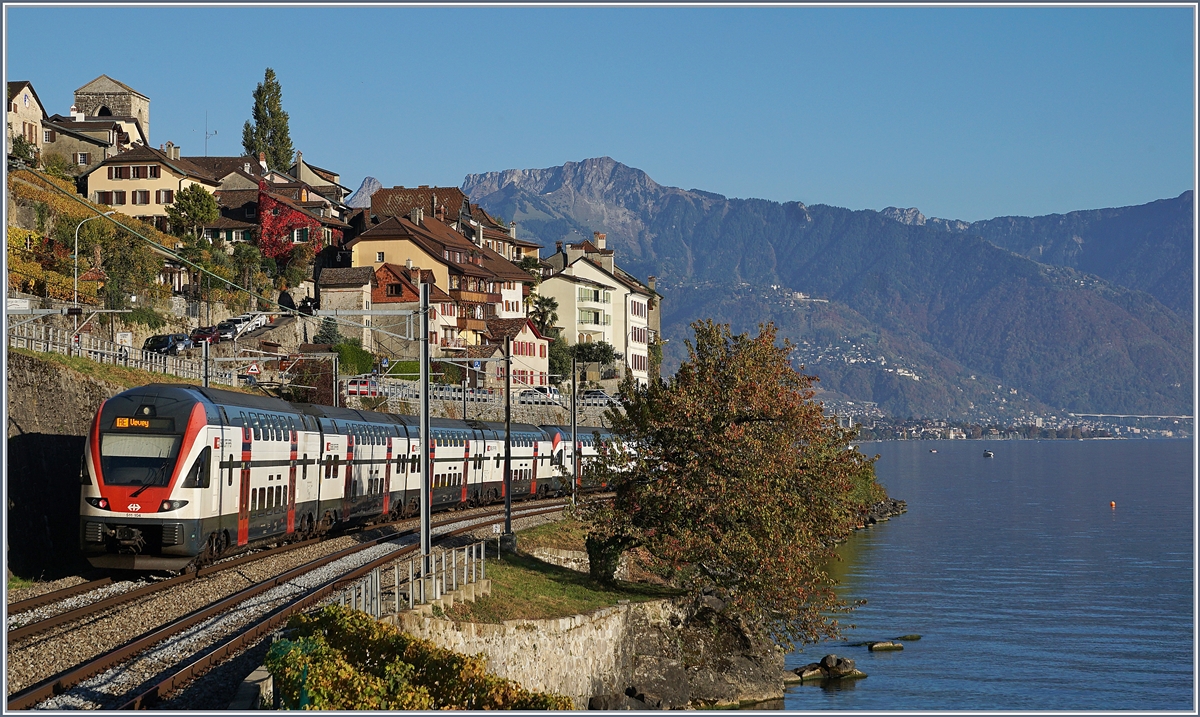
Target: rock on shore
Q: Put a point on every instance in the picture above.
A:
(881, 511)
(831, 667)
(699, 658)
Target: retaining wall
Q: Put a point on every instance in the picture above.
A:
(578, 656)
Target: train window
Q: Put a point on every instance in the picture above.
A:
(254, 500)
(254, 426)
(415, 467)
(229, 461)
(197, 477)
(304, 468)
(291, 423)
(279, 495)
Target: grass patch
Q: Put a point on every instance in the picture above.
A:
(566, 534)
(119, 375)
(18, 583)
(525, 588)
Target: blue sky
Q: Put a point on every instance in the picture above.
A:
(965, 113)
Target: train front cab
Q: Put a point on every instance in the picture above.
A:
(148, 469)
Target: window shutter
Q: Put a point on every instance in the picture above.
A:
(110, 172)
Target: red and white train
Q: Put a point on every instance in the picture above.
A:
(177, 475)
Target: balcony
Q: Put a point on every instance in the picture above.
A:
(455, 343)
(465, 324)
(469, 297)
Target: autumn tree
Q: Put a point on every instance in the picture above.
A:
(269, 133)
(740, 483)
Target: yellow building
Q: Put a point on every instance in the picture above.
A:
(143, 181)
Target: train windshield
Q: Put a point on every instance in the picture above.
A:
(129, 459)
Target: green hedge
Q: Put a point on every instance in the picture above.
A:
(343, 659)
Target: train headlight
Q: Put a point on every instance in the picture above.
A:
(168, 505)
(101, 503)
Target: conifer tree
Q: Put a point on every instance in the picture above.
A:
(269, 132)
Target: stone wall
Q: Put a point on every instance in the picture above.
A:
(50, 409)
(664, 654)
(578, 656)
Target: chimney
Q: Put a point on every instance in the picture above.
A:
(439, 211)
(246, 168)
(599, 239)
(414, 274)
(408, 264)
(416, 215)
(512, 229)
(650, 280)
(299, 159)
(558, 247)
(262, 161)
(76, 114)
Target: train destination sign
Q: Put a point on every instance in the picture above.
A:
(154, 424)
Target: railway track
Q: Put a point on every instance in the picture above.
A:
(20, 629)
(162, 659)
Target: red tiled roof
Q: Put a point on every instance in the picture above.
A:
(399, 201)
(142, 153)
(508, 328)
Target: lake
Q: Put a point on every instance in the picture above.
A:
(1029, 590)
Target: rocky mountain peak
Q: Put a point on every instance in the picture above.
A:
(362, 197)
(911, 216)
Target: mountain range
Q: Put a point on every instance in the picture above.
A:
(1085, 312)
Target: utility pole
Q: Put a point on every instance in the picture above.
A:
(574, 430)
(508, 437)
(426, 437)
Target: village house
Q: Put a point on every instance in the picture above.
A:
(25, 115)
(397, 288)
(530, 354)
(456, 264)
(143, 181)
(597, 301)
(350, 289)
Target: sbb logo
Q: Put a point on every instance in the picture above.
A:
(134, 507)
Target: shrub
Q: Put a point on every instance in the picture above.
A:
(343, 659)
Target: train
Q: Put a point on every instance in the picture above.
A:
(176, 476)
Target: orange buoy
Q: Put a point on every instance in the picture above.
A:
(1112, 504)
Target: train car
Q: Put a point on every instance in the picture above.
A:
(177, 475)
(557, 445)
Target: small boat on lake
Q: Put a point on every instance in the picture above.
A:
(988, 454)
(933, 450)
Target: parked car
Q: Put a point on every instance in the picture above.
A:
(227, 330)
(596, 397)
(254, 321)
(239, 324)
(183, 342)
(167, 344)
(206, 333)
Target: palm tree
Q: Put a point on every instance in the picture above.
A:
(544, 313)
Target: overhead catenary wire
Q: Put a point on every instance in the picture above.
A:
(176, 257)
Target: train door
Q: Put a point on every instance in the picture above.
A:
(387, 469)
(243, 505)
(533, 470)
(293, 440)
(348, 480)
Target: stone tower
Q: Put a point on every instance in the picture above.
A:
(105, 97)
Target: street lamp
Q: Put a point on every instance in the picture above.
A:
(77, 259)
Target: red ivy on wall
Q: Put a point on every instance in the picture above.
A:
(276, 222)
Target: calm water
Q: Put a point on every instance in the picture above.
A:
(1030, 592)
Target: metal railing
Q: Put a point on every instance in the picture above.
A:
(40, 337)
(448, 571)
